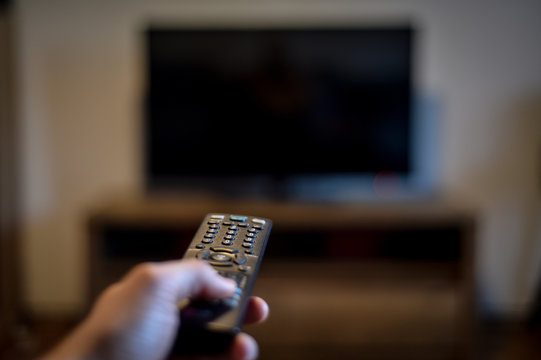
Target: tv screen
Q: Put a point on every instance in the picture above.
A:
(276, 103)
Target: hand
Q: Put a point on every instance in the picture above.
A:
(137, 318)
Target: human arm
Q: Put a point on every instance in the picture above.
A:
(137, 318)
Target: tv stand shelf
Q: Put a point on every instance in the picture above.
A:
(186, 210)
(404, 264)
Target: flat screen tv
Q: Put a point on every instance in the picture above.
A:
(270, 110)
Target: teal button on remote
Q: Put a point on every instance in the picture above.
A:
(237, 218)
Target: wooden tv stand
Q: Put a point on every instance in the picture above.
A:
(343, 280)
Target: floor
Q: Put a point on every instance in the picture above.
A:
(495, 341)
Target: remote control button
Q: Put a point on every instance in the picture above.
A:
(252, 235)
(224, 249)
(259, 221)
(217, 217)
(249, 252)
(238, 218)
(243, 224)
(231, 232)
(227, 242)
(214, 226)
(212, 231)
(206, 241)
(233, 227)
(258, 227)
(252, 230)
(219, 263)
(239, 259)
(247, 245)
(250, 240)
(243, 268)
(209, 236)
(213, 222)
(221, 257)
(227, 223)
(200, 246)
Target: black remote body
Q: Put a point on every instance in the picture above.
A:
(234, 246)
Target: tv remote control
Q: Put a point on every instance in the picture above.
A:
(234, 246)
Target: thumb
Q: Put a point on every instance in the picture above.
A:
(194, 278)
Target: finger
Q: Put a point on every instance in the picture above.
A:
(192, 278)
(244, 348)
(196, 278)
(257, 311)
